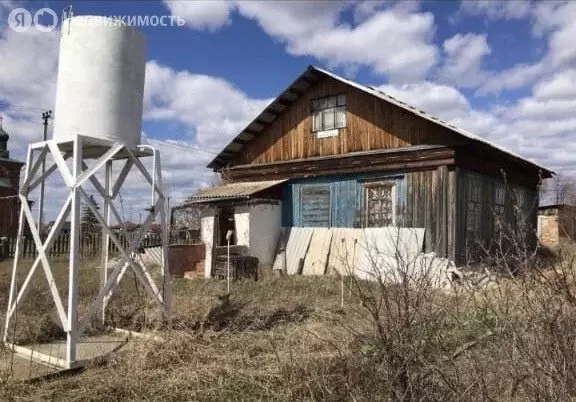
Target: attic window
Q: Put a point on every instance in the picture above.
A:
(328, 113)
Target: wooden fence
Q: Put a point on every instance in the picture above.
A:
(90, 246)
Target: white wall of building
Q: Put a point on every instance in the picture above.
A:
(242, 225)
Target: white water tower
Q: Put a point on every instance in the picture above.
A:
(101, 74)
(97, 127)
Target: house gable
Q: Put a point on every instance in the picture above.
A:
(375, 122)
(371, 124)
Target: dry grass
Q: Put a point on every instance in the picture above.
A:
(289, 339)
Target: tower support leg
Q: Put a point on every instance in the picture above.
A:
(71, 333)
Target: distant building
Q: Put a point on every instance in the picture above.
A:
(9, 185)
(556, 224)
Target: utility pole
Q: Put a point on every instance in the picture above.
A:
(45, 117)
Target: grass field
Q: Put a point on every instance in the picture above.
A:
(290, 339)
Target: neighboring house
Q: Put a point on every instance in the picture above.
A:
(329, 152)
(556, 224)
(9, 185)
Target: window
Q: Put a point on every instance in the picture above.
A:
(328, 113)
(499, 207)
(379, 204)
(474, 211)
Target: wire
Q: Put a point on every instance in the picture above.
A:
(160, 143)
(21, 107)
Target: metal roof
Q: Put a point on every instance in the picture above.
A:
(301, 85)
(233, 191)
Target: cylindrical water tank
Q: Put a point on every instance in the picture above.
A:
(101, 75)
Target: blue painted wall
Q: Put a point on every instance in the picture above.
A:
(346, 198)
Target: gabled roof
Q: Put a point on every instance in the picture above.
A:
(302, 84)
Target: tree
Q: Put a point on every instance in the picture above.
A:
(561, 189)
(90, 223)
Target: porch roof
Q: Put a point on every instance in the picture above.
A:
(240, 190)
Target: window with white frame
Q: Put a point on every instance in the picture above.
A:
(474, 211)
(328, 113)
(499, 206)
(379, 204)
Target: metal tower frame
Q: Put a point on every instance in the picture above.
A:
(103, 153)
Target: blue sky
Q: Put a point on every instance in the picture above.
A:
(503, 70)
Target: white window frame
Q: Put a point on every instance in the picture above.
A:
(393, 195)
(328, 106)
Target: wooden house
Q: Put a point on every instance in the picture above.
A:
(329, 152)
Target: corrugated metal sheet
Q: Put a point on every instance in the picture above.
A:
(316, 259)
(296, 248)
(233, 190)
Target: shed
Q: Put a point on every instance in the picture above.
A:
(556, 224)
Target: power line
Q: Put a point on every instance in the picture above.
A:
(183, 147)
(21, 107)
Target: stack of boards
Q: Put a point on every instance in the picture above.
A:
(365, 253)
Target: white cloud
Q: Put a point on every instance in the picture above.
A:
(518, 76)
(440, 100)
(559, 86)
(496, 9)
(212, 108)
(464, 56)
(394, 44)
(556, 21)
(392, 38)
(202, 15)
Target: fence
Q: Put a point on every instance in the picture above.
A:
(90, 245)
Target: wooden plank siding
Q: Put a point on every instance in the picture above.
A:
(487, 230)
(412, 158)
(371, 123)
(423, 199)
(428, 206)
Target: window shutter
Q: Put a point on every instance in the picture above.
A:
(315, 201)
